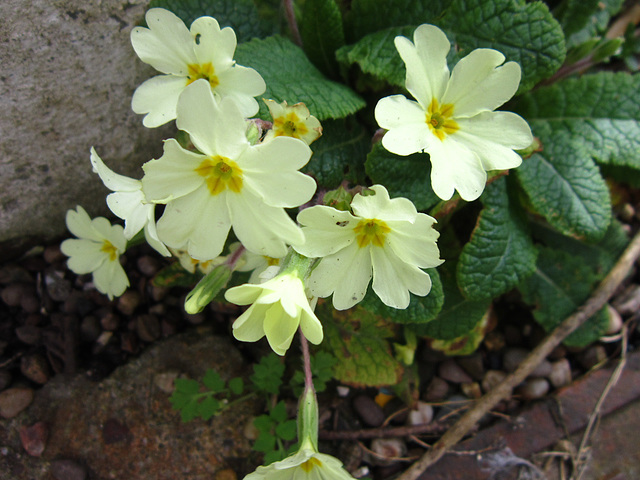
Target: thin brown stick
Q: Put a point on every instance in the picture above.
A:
(385, 432)
(601, 295)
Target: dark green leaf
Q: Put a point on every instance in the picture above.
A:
(279, 412)
(574, 15)
(236, 385)
(561, 284)
(213, 381)
(267, 374)
(500, 253)
(322, 34)
(339, 153)
(264, 423)
(420, 309)
(186, 386)
(408, 177)
(287, 430)
(241, 15)
(290, 76)
(208, 407)
(265, 442)
(597, 22)
(565, 186)
(175, 275)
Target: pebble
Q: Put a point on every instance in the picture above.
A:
(68, 470)
(128, 302)
(90, 328)
(29, 334)
(513, 357)
(36, 368)
(109, 321)
(78, 303)
(148, 327)
(560, 373)
(15, 400)
(494, 341)
(615, 321)
(455, 403)
(471, 390)
(533, 388)
(387, 448)
(129, 342)
(165, 381)
(195, 318)
(250, 431)
(226, 474)
(58, 287)
(492, 378)
(473, 365)
(29, 302)
(368, 410)
(12, 294)
(629, 302)
(421, 414)
(450, 371)
(148, 265)
(34, 438)
(53, 254)
(11, 274)
(592, 356)
(437, 390)
(5, 379)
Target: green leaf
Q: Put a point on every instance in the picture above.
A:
(597, 22)
(241, 15)
(564, 185)
(368, 16)
(408, 177)
(322, 34)
(525, 33)
(236, 385)
(357, 338)
(208, 407)
(321, 369)
(267, 374)
(273, 456)
(339, 153)
(420, 309)
(458, 316)
(213, 381)
(290, 76)
(264, 423)
(464, 344)
(601, 112)
(574, 15)
(287, 430)
(279, 412)
(500, 253)
(561, 283)
(265, 442)
(376, 54)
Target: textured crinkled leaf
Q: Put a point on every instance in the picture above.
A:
(574, 15)
(420, 309)
(561, 283)
(465, 344)
(458, 317)
(368, 16)
(600, 111)
(565, 186)
(339, 153)
(322, 34)
(408, 177)
(241, 15)
(358, 339)
(600, 256)
(377, 55)
(526, 33)
(500, 253)
(290, 76)
(597, 22)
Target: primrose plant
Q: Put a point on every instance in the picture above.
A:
(341, 209)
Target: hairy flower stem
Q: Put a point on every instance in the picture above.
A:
(308, 377)
(291, 20)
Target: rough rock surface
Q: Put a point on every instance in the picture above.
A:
(68, 73)
(124, 427)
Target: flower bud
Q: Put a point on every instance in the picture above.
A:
(206, 289)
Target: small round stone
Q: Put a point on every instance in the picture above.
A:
(492, 378)
(68, 470)
(560, 373)
(14, 400)
(533, 388)
(368, 410)
(437, 390)
(387, 448)
(450, 371)
(421, 414)
(34, 438)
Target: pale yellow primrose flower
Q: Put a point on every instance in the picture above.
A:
(278, 307)
(128, 203)
(184, 56)
(384, 238)
(97, 251)
(453, 119)
(293, 121)
(231, 183)
(305, 464)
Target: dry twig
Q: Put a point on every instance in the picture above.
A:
(601, 295)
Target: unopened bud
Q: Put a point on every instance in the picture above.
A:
(206, 289)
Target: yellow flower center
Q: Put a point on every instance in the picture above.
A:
(221, 173)
(206, 71)
(371, 231)
(439, 119)
(107, 247)
(309, 464)
(272, 261)
(289, 125)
